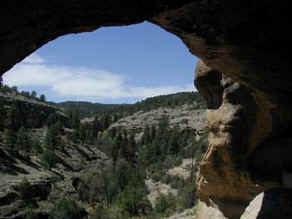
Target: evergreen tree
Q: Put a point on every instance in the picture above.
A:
(14, 89)
(132, 149)
(36, 145)
(105, 121)
(115, 118)
(25, 94)
(150, 152)
(52, 138)
(146, 138)
(163, 125)
(174, 141)
(125, 149)
(116, 148)
(74, 118)
(153, 132)
(96, 126)
(75, 136)
(113, 132)
(9, 140)
(156, 148)
(2, 113)
(23, 142)
(42, 98)
(49, 159)
(12, 121)
(67, 209)
(33, 94)
(52, 119)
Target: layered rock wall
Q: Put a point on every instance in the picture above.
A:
(33, 114)
(242, 159)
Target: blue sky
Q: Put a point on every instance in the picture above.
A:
(109, 65)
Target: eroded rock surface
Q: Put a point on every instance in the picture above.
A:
(187, 117)
(244, 39)
(243, 159)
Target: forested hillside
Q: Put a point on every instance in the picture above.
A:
(90, 109)
(94, 168)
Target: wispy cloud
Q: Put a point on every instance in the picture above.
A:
(84, 82)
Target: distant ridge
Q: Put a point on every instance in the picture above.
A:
(88, 109)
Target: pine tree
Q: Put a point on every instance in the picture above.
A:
(113, 132)
(52, 119)
(174, 141)
(116, 148)
(132, 149)
(146, 138)
(150, 152)
(11, 119)
(36, 145)
(42, 98)
(52, 138)
(74, 117)
(75, 136)
(23, 142)
(156, 147)
(2, 113)
(49, 159)
(33, 94)
(105, 121)
(9, 140)
(163, 125)
(96, 126)
(153, 132)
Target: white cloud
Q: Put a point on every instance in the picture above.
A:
(33, 59)
(67, 81)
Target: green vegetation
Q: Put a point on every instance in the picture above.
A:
(165, 204)
(87, 109)
(49, 159)
(121, 189)
(5, 89)
(24, 189)
(117, 190)
(67, 209)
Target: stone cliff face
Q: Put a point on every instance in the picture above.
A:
(239, 163)
(223, 176)
(186, 117)
(250, 108)
(33, 114)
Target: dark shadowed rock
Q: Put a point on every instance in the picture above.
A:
(223, 174)
(274, 203)
(208, 82)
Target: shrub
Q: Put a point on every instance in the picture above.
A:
(165, 204)
(177, 182)
(49, 159)
(30, 214)
(188, 196)
(67, 209)
(98, 187)
(133, 200)
(24, 189)
(113, 212)
(36, 145)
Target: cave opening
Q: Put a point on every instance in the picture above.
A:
(110, 65)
